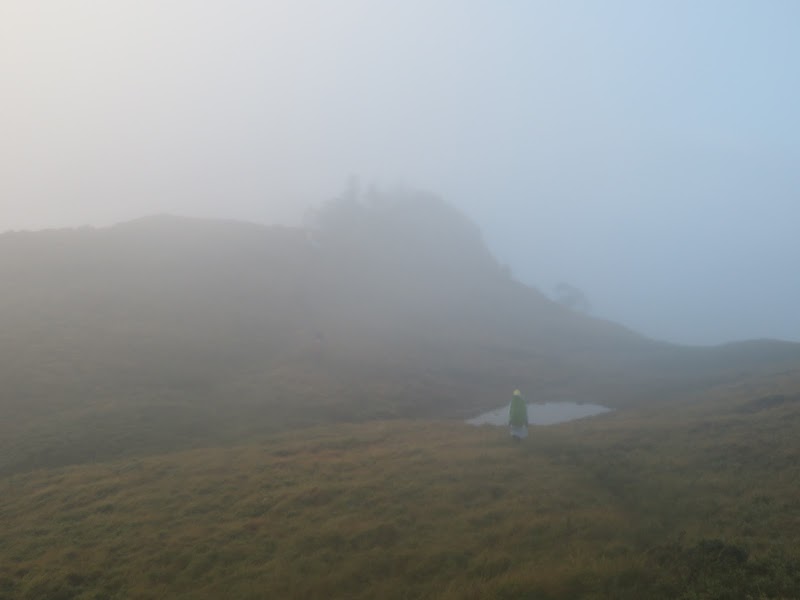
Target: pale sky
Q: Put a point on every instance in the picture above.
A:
(645, 152)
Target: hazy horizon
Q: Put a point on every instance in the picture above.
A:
(644, 154)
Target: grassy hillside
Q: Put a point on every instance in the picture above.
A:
(695, 500)
(169, 333)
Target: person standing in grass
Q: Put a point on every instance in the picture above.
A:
(518, 416)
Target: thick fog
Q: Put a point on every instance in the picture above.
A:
(644, 153)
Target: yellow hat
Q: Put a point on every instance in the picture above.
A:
(517, 393)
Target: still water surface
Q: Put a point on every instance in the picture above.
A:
(543, 414)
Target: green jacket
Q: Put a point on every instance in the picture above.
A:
(518, 413)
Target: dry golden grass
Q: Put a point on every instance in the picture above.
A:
(694, 501)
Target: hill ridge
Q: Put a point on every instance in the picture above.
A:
(223, 328)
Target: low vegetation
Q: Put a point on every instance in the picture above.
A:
(201, 409)
(689, 501)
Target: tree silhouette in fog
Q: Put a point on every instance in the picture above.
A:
(573, 298)
(402, 226)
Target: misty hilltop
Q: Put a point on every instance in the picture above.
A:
(388, 306)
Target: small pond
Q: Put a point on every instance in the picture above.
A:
(543, 414)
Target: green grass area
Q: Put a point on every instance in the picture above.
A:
(690, 501)
(205, 409)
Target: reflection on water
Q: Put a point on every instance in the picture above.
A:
(543, 414)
